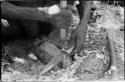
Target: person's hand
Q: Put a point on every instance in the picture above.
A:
(55, 9)
(4, 23)
(52, 10)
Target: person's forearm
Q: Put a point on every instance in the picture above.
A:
(26, 13)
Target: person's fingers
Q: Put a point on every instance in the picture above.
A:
(55, 9)
(44, 9)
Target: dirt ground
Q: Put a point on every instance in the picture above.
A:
(94, 62)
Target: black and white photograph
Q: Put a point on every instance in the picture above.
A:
(62, 40)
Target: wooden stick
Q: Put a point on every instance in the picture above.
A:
(63, 3)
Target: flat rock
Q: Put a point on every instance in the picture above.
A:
(92, 68)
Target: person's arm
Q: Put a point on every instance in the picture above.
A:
(27, 13)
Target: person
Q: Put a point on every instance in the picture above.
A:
(27, 13)
(18, 17)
